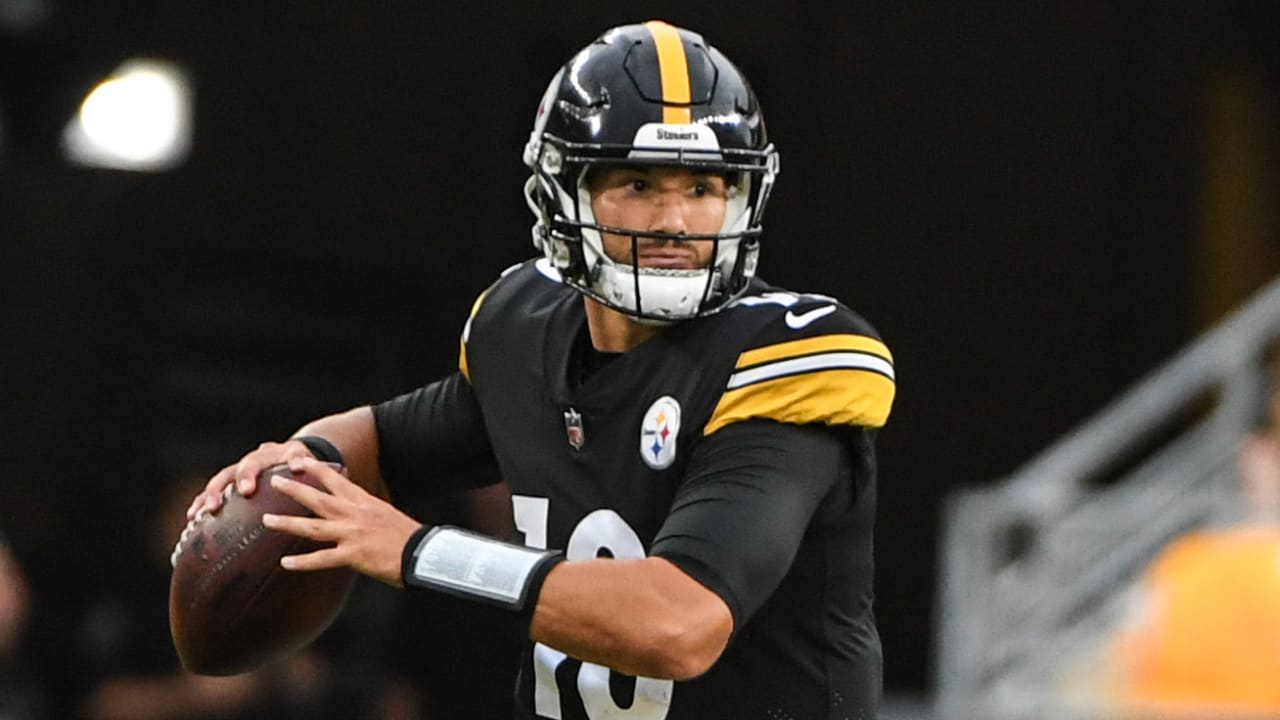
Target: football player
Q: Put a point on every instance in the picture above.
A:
(689, 450)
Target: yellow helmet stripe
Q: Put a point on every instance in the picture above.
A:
(673, 68)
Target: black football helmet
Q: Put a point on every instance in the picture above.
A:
(648, 94)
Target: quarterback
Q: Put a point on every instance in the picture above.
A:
(689, 450)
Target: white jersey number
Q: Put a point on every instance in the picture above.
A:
(602, 530)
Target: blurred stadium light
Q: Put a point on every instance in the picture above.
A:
(139, 118)
(52, 54)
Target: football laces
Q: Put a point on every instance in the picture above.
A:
(191, 527)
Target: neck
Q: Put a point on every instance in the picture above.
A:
(612, 331)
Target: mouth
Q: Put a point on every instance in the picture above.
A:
(669, 258)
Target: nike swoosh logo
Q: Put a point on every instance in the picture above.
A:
(795, 322)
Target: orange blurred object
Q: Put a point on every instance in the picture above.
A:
(1205, 635)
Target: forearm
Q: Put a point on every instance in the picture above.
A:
(640, 617)
(355, 435)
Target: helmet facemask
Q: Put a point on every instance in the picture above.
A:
(571, 238)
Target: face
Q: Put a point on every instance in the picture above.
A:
(659, 199)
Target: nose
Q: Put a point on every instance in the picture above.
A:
(669, 213)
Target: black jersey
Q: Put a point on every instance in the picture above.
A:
(738, 446)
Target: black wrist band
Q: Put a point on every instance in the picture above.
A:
(407, 555)
(533, 586)
(322, 449)
(476, 567)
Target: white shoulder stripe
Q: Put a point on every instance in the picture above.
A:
(810, 363)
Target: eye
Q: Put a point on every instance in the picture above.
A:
(708, 186)
(638, 184)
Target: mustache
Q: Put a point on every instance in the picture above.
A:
(657, 235)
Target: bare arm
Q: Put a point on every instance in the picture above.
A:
(388, 438)
(355, 435)
(646, 616)
(748, 499)
(641, 617)
(353, 432)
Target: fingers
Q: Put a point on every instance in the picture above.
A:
(359, 530)
(316, 529)
(311, 528)
(268, 454)
(322, 504)
(330, 476)
(244, 474)
(317, 501)
(322, 559)
(210, 498)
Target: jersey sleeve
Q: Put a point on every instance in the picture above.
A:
(749, 496)
(432, 440)
(817, 363)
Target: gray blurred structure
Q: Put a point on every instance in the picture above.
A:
(24, 15)
(1034, 569)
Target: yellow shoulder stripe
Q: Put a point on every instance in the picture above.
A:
(830, 379)
(466, 333)
(830, 397)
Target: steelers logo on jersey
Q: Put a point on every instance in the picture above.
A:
(658, 433)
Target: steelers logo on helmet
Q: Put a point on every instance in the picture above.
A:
(649, 95)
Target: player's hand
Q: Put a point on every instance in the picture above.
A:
(244, 474)
(367, 533)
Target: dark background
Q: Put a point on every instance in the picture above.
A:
(1034, 203)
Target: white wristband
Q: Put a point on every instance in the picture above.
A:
(477, 567)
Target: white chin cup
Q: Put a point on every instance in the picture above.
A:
(664, 294)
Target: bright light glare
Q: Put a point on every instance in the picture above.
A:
(137, 119)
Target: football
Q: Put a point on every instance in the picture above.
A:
(232, 608)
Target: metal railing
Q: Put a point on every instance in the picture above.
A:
(1034, 567)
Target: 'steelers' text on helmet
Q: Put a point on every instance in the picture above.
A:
(649, 94)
